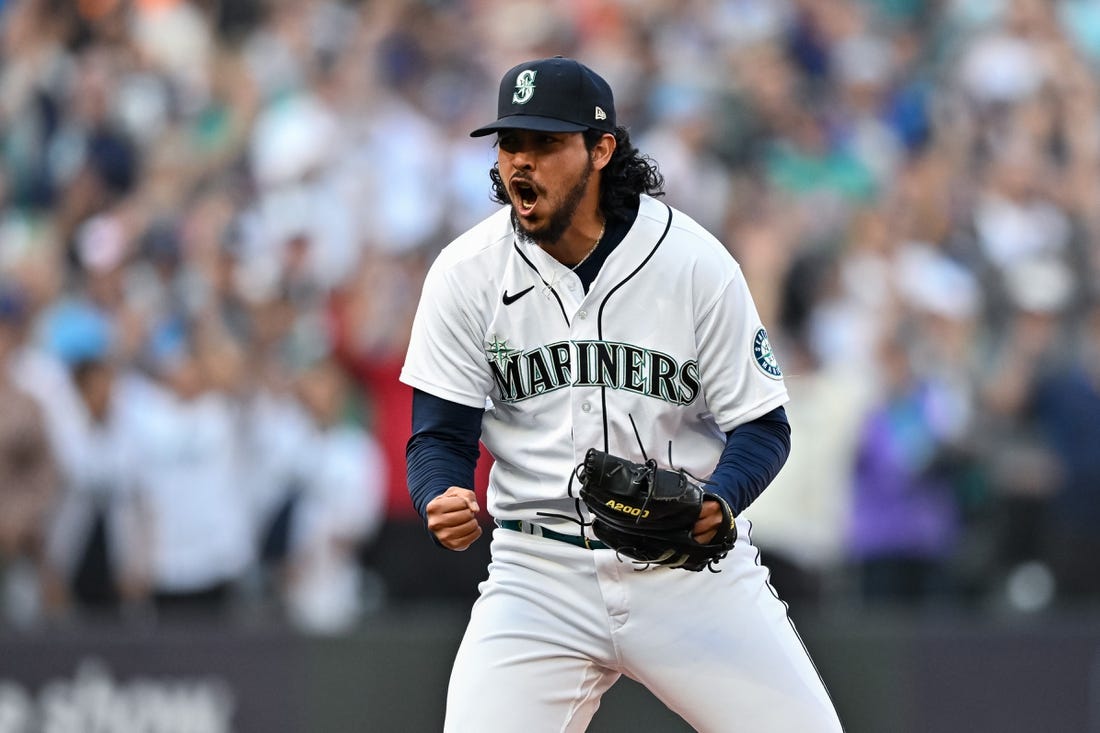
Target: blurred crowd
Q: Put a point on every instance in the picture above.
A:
(215, 217)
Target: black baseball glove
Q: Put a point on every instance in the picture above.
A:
(647, 513)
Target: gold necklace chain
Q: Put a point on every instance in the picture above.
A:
(593, 249)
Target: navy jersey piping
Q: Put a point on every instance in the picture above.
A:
(790, 621)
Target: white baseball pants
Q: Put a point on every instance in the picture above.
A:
(556, 625)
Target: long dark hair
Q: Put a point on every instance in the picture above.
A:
(626, 176)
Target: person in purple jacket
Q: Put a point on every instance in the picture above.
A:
(905, 520)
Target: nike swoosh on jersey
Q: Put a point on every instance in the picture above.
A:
(509, 299)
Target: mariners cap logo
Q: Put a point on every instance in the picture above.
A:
(525, 87)
(764, 356)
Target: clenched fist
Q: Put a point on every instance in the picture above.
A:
(452, 518)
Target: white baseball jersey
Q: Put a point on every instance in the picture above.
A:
(667, 335)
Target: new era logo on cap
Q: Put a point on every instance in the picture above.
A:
(567, 97)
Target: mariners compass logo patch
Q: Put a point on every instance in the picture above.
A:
(498, 351)
(765, 357)
(525, 87)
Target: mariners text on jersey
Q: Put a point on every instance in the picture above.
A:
(523, 374)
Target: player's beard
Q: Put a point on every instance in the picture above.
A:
(560, 218)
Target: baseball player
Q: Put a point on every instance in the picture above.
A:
(587, 314)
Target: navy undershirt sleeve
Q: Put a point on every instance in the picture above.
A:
(754, 453)
(443, 449)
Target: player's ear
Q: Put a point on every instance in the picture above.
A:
(602, 151)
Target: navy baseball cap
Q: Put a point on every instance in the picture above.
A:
(552, 95)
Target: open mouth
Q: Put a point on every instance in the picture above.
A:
(525, 194)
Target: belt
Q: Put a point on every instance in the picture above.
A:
(526, 527)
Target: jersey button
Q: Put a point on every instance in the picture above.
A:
(582, 315)
(572, 286)
(586, 407)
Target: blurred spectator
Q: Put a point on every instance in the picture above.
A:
(1010, 60)
(28, 475)
(905, 523)
(276, 427)
(864, 67)
(805, 162)
(1034, 460)
(1025, 442)
(823, 180)
(1015, 219)
(94, 533)
(1066, 403)
(190, 485)
(372, 319)
(340, 508)
(681, 142)
(93, 318)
